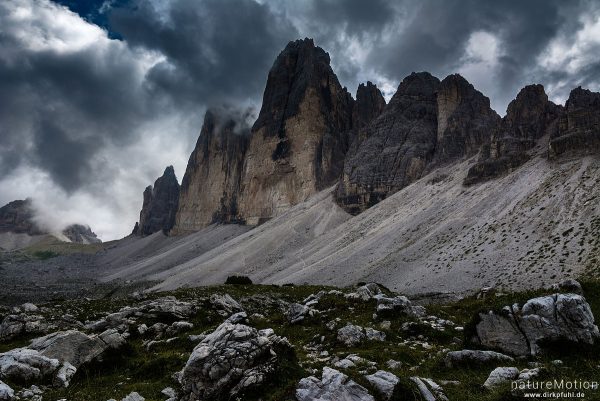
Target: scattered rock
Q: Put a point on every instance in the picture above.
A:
(296, 313)
(519, 331)
(239, 317)
(334, 385)
(225, 303)
(474, 357)
(23, 364)
(76, 347)
(64, 375)
(171, 307)
(365, 292)
(351, 335)
(430, 390)
(570, 286)
(500, 376)
(133, 396)
(6, 393)
(15, 325)
(384, 382)
(398, 306)
(231, 360)
(178, 327)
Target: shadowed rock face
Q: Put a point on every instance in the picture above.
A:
(579, 125)
(368, 105)
(17, 217)
(465, 119)
(301, 136)
(398, 145)
(210, 186)
(160, 204)
(528, 118)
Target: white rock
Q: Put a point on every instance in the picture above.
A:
(384, 382)
(65, 374)
(500, 376)
(334, 385)
(6, 393)
(351, 335)
(133, 396)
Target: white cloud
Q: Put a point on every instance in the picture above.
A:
(110, 199)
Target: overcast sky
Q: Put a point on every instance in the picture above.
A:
(97, 97)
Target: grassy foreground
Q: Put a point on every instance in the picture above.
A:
(419, 347)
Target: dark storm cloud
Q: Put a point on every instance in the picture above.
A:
(59, 108)
(215, 50)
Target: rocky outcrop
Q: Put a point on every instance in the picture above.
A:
(465, 119)
(333, 385)
(230, 361)
(529, 117)
(300, 138)
(369, 105)
(398, 145)
(427, 123)
(160, 205)
(523, 331)
(211, 184)
(17, 217)
(579, 126)
(80, 234)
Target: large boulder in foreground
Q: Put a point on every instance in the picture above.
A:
(75, 347)
(523, 331)
(231, 360)
(334, 385)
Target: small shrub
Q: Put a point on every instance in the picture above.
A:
(238, 280)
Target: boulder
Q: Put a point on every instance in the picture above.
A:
(333, 385)
(365, 292)
(569, 285)
(23, 364)
(15, 325)
(430, 390)
(474, 358)
(351, 335)
(225, 303)
(64, 375)
(169, 306)
(500, 376)
(296, 312)
(75, 347)
(232, 359)
(398, 306)
(6, 393)
(522, 331)
(384, 382)
(133, 396)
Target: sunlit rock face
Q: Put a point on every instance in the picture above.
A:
(210, 186)
(299, 141)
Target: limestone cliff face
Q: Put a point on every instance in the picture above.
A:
(301, 136)
(465, 119)
(529, 117)
(579, 125)
(160, 205)
(398, 145)
(210, 186)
